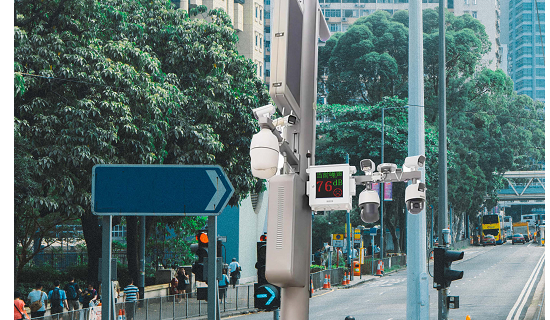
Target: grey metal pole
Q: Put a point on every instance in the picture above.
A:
(350, 234)
(141, 280)
(442, 309)
(295, 300)
(382, 194)
(432, 232)
(212, 281)
(106, 246)
(418, 300)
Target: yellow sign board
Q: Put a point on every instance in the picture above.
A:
(338, 237)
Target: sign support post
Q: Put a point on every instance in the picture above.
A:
(106, 245)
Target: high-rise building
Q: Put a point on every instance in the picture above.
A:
(525, 46)
(248, 21)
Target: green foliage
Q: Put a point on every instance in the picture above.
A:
(124, 82)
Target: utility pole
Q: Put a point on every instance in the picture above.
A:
(442, 308)
(418, 300)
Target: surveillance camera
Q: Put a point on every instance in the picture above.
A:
(387, 167)
(415, 197)
(414, 162)
(367, 165)
(369, 201)
(264, 154)
(265, 111)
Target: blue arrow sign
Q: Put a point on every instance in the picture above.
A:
(264, 295)
(164, 190)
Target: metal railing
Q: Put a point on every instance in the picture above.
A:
(174, 307)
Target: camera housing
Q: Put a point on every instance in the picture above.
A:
(264, 154)
(367, 166)
(387, 167)
(369, 202)
(414, 162)
(265, 111)
(415, 197)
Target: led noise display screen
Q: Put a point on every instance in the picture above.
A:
(330, 184)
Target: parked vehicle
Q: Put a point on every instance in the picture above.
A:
(489, 239)
(518, 238)
(523, 228)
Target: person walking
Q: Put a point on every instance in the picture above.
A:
(235, 271)
(131, 295)
(223, 283)
(89, 294)
(38, 301)
(19, 312)
(73, 291)
(58, 299)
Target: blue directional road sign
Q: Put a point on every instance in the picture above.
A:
(164, 190)
(266, 297)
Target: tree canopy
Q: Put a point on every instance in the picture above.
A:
(124, 82)
(490, 128)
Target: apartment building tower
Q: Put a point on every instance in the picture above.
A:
(248, 21)
(525, 46)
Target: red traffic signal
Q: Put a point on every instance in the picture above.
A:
(263, 237)
(202, 238)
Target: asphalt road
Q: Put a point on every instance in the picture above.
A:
(498, 283)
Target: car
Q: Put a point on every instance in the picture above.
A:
(517, 238)
(489, 239)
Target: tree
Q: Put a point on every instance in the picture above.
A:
(126, 82)
(356, 131)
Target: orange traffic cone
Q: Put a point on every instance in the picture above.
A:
(329, 286)
(326, 284)
(344, 279)
(311, 283)
(120, 316)
(382, 267)
(468, 317)
(123, 314)
(378, 270)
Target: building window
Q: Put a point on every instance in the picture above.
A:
(540, 94)
(466, 1)
(334, 27)
(540, 72)
(256, 40)
(260, 14)
(474, 14)
(351, 13)
(261, 40)
(332, 13)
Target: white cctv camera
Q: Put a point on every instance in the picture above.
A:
(369, 202)
(367, 166)
(414, 162)
(415, 197)
(387, 167)
(264, 154)
(265, 111)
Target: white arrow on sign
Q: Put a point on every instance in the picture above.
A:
(220, 190)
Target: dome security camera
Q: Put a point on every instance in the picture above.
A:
(369, 202)
(264, 154)
(415, 197)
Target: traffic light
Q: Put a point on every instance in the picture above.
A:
(201, 250)
(266, 295)
(443, 275)
(261, 247)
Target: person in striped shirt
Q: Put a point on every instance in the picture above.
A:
(131, 295)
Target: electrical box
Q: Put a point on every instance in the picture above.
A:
(288, 228)
(330, 187)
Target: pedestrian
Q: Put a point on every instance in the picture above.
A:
(183, 280)
(235, 271)
(38, 301)
(19, 312)
(131, 295)
(58, 299)
(174, 284)
(73, 291)
(317, 257)
(223, 283)
(89, 295)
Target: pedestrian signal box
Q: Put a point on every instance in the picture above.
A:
(330, 187)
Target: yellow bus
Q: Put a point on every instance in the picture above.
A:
(491, 225)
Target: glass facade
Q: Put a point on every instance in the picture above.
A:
(525, 54)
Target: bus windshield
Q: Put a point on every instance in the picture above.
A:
(489, 219)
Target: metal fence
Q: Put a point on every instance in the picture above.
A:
(173, 307)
